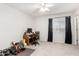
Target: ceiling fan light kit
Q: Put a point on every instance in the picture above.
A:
(45, 7)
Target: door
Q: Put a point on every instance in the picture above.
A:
(59, 30)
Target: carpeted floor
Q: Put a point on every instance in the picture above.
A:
(26, 52)
(55, 49)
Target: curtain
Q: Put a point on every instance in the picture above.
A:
(50, 34)
(68, 32)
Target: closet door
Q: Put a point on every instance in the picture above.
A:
(59, 30)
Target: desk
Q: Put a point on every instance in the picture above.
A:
(29, 38)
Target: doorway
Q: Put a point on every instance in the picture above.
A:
(58, 30)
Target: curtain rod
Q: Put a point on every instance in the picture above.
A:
(59, 17)
(63, 16)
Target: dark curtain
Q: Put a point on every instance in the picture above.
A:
(50, 34)
(68, 32)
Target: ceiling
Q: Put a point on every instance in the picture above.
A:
(33, 8)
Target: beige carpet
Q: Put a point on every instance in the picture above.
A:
(55, 49)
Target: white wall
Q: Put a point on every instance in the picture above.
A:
(41, 24)
(13, 23)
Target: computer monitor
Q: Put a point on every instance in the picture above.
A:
(29, 30)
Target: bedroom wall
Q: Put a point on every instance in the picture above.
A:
(13, 23)
(41, 24)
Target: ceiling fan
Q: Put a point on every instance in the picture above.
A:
(44, 7)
